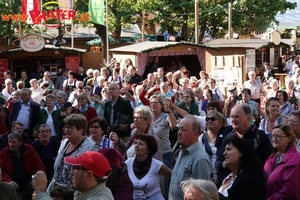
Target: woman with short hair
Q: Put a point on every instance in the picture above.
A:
(145, 171)
(282, 169)
(85, 108)
(76, 143)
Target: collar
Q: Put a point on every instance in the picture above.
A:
(193, 147)
(91, 191)
(25, 103)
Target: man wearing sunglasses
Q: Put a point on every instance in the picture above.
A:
(90, 172)
(47, 79)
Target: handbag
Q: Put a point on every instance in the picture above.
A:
(121, 119)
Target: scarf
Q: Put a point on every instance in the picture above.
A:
(140, 169)
(84, 109)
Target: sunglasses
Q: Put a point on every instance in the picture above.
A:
(211, 119)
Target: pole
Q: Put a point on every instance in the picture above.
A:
(196, 22)
(143, 26)
(72, 28)
(229, 20)
(41, 25)
(107, 40)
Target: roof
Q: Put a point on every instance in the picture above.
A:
(151, 46)
(47, 47)
(243, 43)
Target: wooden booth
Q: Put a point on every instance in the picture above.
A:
(191, 55)
(237, 57)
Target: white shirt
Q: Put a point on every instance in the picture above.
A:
(50, 122)
(37, 94)
(24, 114)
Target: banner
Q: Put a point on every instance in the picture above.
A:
(96, 10)
(28, 5)
(66, 5)
(3, 67)
(72, 63)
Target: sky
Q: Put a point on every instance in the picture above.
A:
(291, 16)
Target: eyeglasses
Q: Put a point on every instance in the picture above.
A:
(81, 98)
(8, 83)
(292, 122)
(68, 128)
(211, 119)
(45, 131)
(278, 136)
(95, 127)
(186, 97)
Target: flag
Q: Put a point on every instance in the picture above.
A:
(96, 11)
(28, 5)
(66, 5)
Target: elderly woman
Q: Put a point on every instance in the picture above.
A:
(282, 169)
(145, 171)
(212, 139)
(61, 97)
(98, 104)
(97, 128)
(189, 103)
(85, 108)
(37, 92)
(292, 93)
(246, 180)
(272, 116)
(75, 144)
(8, 89)
(50, 115)
(199, 189)
(203, 79)
(285, 106)
(142, 119)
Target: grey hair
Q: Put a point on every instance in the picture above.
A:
(195, 123)
(145, 110)
(62, 94)
(51, 96)
(208, 188)
(33, 81)
(44, 125)
(15, 135)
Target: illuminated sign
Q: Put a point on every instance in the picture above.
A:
(42, 16)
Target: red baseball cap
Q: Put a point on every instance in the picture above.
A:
(92, 161)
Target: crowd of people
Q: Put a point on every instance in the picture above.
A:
(110, 133)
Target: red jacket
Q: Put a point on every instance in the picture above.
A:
(30, 158)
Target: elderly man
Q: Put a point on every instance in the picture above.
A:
(80, 75)
(240, 116)
(230, 102)
(7, 190)
(47, 148)
(47, 79)
(118, 106)
(257, 89)
(294, 123)
(90, 172)
(26, 111)
(192, 161)
(21, 162)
